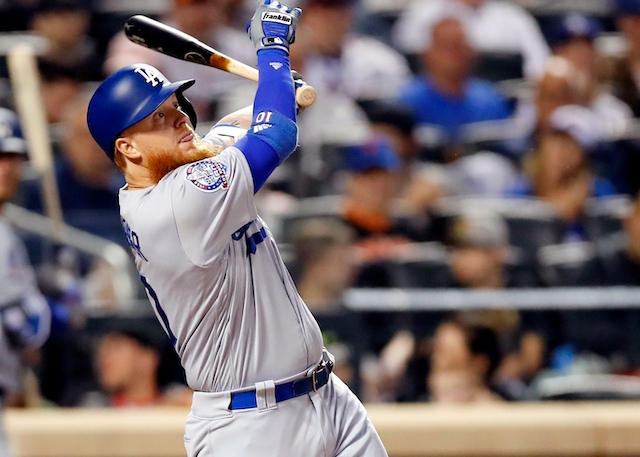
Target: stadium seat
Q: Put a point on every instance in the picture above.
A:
(532, 223)
(569, 264)
(425, 265)
(603, 216)
(499, 66)
(326, 206)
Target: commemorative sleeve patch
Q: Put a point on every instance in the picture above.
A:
(208, 175)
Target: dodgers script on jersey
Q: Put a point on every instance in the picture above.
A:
(207, 261)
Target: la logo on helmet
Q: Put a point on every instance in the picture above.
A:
(150, 76)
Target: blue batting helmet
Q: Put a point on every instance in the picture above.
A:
(128, 96)
(11, 139)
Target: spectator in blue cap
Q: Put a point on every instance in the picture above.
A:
(573, 37)
(372, 155)
(625, 77)
(368, 205)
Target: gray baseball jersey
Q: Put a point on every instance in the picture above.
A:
(24, 313)
(215, 277)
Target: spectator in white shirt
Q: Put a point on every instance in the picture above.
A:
(573, 38)
(493, 26)
(336, 60)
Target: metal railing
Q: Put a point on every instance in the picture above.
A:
(125, 278)
(454, 299)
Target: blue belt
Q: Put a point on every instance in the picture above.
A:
(286, 391)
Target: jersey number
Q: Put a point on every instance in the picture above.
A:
(263, 116)
(161, 313)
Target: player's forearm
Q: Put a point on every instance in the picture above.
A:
(273, 135)
(275, 91)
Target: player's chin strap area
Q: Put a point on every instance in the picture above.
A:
(262, 396)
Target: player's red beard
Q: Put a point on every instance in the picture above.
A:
(162, 161)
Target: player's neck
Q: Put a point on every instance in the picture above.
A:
(138, 178)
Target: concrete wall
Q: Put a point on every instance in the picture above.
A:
(415, 430)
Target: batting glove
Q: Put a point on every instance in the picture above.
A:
(273, 25)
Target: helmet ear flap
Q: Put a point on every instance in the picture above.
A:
(187, 107)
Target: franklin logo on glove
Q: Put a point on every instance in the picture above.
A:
(276, 17)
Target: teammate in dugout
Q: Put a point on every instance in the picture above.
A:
(251, 349)
(25, 315)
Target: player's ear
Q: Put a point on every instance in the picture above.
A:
(126, 148)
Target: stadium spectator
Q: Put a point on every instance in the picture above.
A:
(65, 24)
(625, 78)
(573, 37)
(87, 180)
(481, 255)
(59, 86)
(446, 95)
(395, 121)
(422, 182)
(619, 254)
(334, 59)
(494, 26)
(479, 241)
(325, 266)
(24, 313)
(129, 368)
(368, 206)
(482, 259)
(325, 262)
(559, 170)
(561, 84)
(205, 20)
(463, 361)
(479, 260)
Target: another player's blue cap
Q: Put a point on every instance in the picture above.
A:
(628, 7)
(11, 139)
(375, 153)
(573, 25)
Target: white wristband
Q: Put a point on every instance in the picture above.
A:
(227, 133)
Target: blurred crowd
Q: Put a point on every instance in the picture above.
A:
(473, 145)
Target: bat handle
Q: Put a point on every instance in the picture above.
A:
(305, 94)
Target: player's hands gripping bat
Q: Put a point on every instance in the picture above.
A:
(175, 43)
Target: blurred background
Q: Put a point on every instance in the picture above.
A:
(462, 214)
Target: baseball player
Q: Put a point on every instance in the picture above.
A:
(251, 349)
(24, 313)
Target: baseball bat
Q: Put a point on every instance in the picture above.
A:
(168, 40)
(25, 80)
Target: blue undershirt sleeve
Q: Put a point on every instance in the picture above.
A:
(273, 135)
